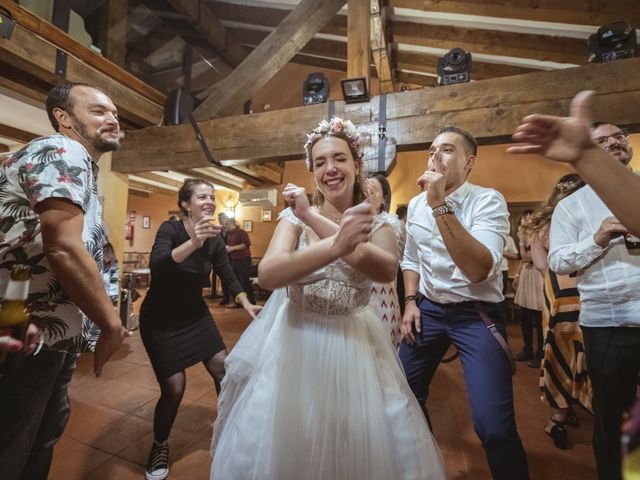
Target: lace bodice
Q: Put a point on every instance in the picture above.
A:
(336, 289)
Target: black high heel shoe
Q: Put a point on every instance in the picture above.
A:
(559, 434)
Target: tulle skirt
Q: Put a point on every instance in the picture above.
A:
(317, 397)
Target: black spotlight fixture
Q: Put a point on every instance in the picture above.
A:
(454, 67)
(613, 41)
(355, 90)
(315, 89)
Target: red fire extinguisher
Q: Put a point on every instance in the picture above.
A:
(128, 231)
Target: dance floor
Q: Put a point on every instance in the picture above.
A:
(110, 429)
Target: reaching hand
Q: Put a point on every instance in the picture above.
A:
(410, 319)
(108, 343)
(252, 309)
(203, 229)
(610, 228)
(10, 344)
(296, 197)
(563, 139)
(434, 182)
(355, 227)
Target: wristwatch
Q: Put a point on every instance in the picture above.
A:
(446, 207)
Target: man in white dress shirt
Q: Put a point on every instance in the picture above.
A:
(586, 239)
(453, 284)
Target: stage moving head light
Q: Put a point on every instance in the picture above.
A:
(454, 67)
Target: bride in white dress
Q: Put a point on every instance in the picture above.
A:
(314, 389)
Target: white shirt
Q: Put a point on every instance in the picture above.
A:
(483, 213)
(509, 247)
(608, 279)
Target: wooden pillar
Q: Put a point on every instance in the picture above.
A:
(113, 30)
(113, 188)
(358, 25)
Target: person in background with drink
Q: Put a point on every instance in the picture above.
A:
(51, 222)
(587, 239)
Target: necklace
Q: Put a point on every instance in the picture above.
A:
(334, 219)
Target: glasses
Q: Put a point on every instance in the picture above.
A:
(618, 137)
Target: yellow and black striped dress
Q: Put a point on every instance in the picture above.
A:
(563, 375)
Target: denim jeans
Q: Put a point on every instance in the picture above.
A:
(34, 409)
(487, 374)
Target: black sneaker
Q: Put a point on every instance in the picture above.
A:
(158, 463)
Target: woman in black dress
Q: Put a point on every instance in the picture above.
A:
(175, 323)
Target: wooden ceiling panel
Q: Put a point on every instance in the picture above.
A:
(579, 12)
(492, 42)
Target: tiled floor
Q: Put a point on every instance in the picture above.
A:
(109, 433)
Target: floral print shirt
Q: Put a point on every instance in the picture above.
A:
(48, 167)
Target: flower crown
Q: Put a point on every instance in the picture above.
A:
(337, 126)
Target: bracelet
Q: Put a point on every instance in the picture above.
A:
(408, 298)
(239, 296)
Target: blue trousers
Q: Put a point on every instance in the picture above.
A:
(487, 374)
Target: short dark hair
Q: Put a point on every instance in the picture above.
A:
(401, 212)
(186, 191)
(386, 191)
(60, 97)
(470, 143)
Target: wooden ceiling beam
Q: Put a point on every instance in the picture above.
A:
(323, 63)
(204, 21)
(358, 38)
(270, 17)
(113, 30)
(490, 110)
(380, 50)
(160, 179)
(217, 179)
(558, 11)
(412, 78)
(35, 56)
(151, 188)
(16, 134)
(492, 42)
(33, 24)
(269, 57)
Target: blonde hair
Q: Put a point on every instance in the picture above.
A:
(565, 187)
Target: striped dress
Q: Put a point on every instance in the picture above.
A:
(563, 375)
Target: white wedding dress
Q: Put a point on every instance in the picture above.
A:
(314, 390)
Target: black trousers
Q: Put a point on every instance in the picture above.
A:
(613, 364)
(34, 409)
(242, 269)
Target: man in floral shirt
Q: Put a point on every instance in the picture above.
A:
(50, 220)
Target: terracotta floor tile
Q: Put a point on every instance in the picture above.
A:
(115, 413)
(195, 462)
(117, 468)
(118, 395)
(197, 418)
(87, 418)
(138, 451)
(120, 434)
(76, 461)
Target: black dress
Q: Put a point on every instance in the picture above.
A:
(176, 326)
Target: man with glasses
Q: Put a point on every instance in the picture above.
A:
(586, 239)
